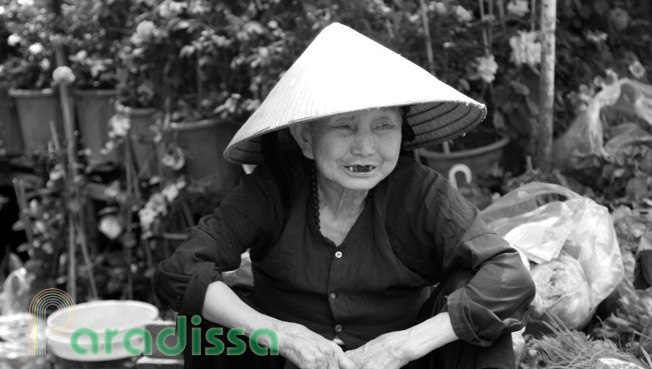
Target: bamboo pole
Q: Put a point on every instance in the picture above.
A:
(501, 15)
(543, 147)
(426, 32)
(533, 15)
(75, 204)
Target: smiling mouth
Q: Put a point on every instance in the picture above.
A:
(359, 168)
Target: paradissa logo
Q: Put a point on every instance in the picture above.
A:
(212, 336)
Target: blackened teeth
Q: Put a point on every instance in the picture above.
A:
(360, 168)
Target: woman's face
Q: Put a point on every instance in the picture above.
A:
(355, 150)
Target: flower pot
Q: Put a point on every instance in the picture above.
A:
(94, 109)
(141, 137)
(38, 111)
(203, 143)
(480, 160)
(10, 133)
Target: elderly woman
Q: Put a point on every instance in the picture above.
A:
(347, 236)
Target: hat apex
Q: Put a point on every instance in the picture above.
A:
(342, 71)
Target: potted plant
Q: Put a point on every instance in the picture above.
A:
(175, 60)
(12, 138)
(137, 105)
(94, 32)
(479, 69)
(28, 73)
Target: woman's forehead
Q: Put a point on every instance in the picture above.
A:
(379, 112)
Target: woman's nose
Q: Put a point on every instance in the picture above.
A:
(364, 144)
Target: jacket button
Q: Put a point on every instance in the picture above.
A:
(332, 295)
(338, 254)
(338, 328)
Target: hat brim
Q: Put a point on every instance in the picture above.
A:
(343, 71)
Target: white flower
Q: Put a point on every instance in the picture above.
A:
(174, 158)
(596, 36)
(112, 190)
(35, 49)
(40, 227)
(414, 18)
(45, 64)
(13, 39)
(110, 226)
(170, 192)
(145, 31)
(177, 7)
(463, 15)
(63, 75)
(637, 69)
(26, 3)
(169, 9)
(57, 172)
(147, 217)
(383, 8)
(486, 68)
(438, 7)
(79, 56)
(119, 125)
(518, 8)
(525, 49)
(157, 203)
(2, 10)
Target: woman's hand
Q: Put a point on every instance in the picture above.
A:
(384, 351)
(308, 350)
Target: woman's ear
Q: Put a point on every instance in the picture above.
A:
(303, 137)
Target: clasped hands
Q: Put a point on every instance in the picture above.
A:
(308, 350)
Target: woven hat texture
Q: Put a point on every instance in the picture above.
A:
(343, 71)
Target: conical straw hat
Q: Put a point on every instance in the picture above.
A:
(343, 71)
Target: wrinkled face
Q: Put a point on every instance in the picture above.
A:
(355, 150)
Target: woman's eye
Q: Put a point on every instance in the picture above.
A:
(387, 125)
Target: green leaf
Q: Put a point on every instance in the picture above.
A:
(187, 51)
(520, 88)
(182, 25)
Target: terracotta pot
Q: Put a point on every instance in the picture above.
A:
(10, 133)
(480, 160)
(94, 109)
(204, 142)
(39, 112)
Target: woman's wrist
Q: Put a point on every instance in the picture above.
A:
(427, 336)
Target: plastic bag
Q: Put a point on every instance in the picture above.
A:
(578, 225)
(562, 289)
(16, 293)
(15, 334)
(580, 148)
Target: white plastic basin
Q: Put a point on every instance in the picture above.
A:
(98, 316)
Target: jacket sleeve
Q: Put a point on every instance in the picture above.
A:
(244, 220)
(496, 298)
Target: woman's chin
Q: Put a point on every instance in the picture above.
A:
(359, 183)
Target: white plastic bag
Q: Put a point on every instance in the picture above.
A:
(578, 225)
(581, 148)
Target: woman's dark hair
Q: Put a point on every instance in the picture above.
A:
(282, 156)
(406, 131)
